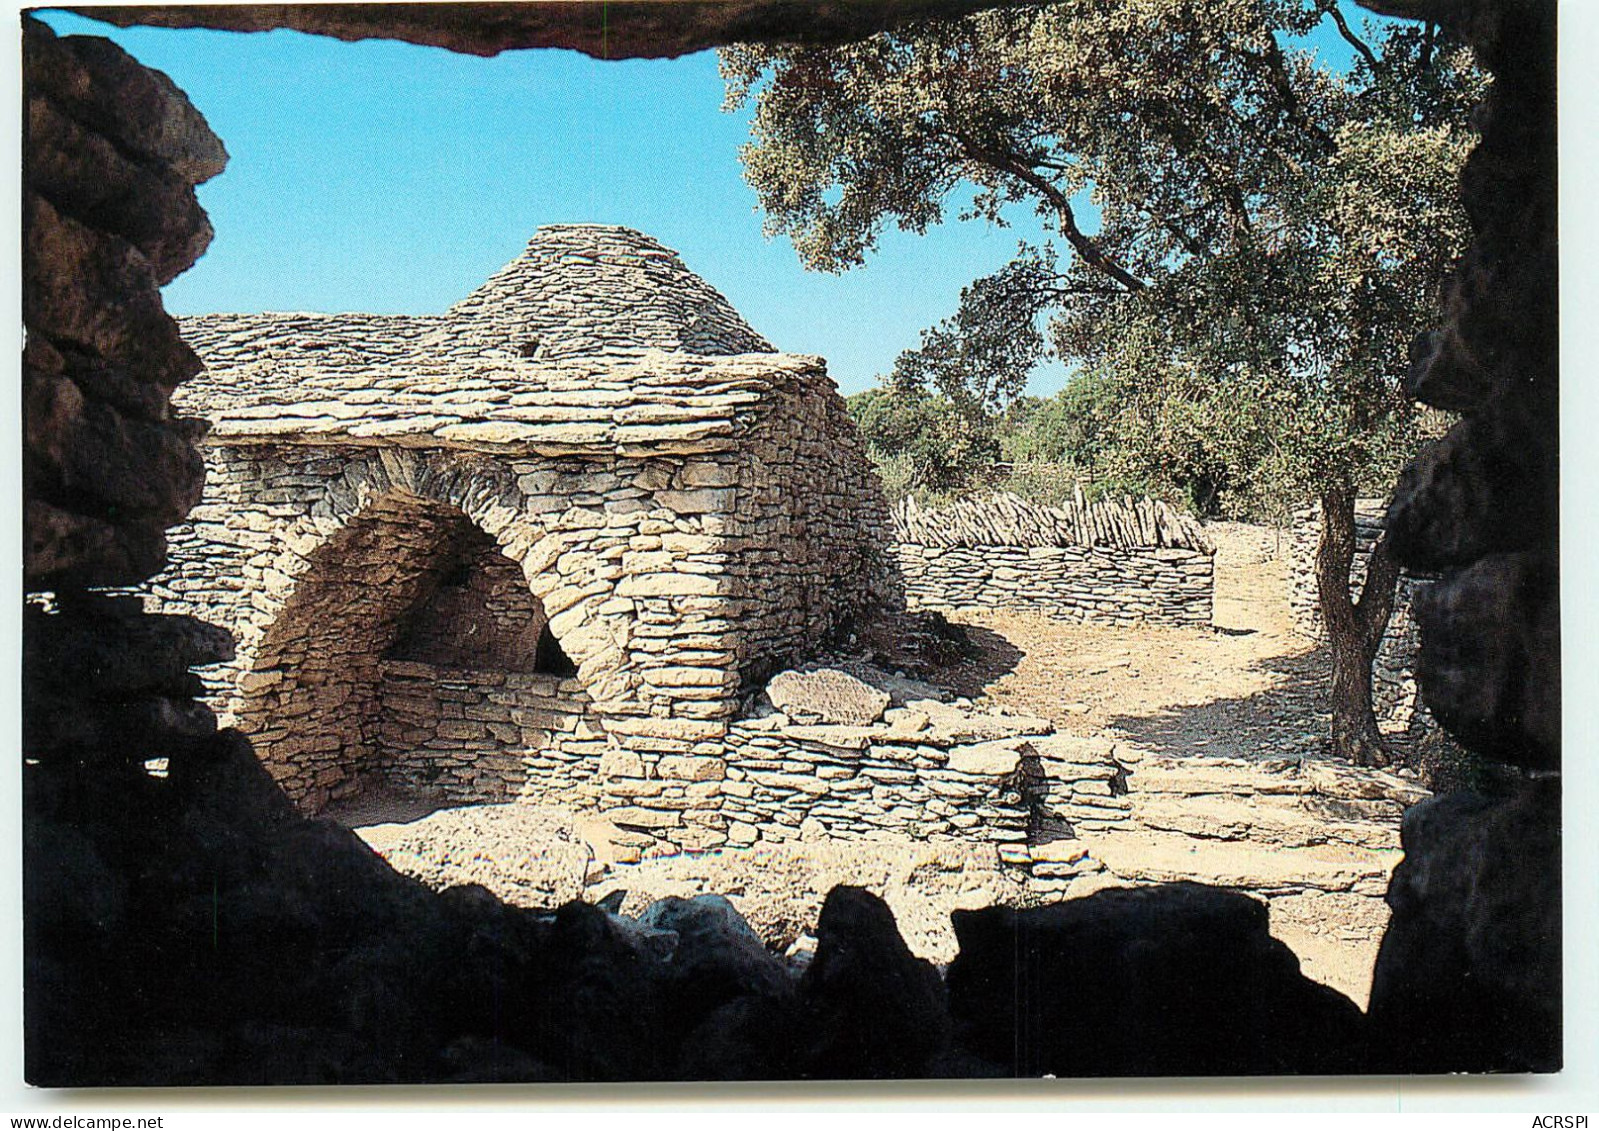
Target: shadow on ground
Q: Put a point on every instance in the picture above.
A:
(1290, 717)
(986, 658)
(381, 803)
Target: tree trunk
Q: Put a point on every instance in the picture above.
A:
(1354, 628)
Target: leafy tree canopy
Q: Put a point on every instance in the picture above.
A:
(922, 442)
(1270, 233)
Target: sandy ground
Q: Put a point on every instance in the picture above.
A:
(1246, 688)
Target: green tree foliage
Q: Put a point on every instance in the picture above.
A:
(1270, 234)
(922, 441)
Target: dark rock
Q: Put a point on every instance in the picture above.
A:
(81, 448)
(874, 1010)
(98, 291)
(103, 87)
(609, 31)
(1175, 980)
(1483, 503)
(600, 996)
(113, 152)
(717, 958)
(117, 656)
(1489, 668)
(748, 1038)
(58, 726)
(63, 549)
(729, 1003)
(98, 379)
(86, 176)
(475, 1060)
(224, 785)
(485, 990)
(1488, 487)
(1468, 978)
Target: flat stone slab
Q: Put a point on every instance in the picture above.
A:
(838, 737)
(1075, 750)
(1267, 818)
(949, 725)
(901, 689)
(827, 695)
(986, 759)
(1194, 776)
(1167, 857)
(1333, 779)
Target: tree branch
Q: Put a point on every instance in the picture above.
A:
(1350, 37)
(1187, 141)
(1185, 239)
(1376, 604)
(1282, 85)
(1091, 253)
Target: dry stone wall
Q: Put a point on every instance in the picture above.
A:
(669, 584)
(818, 563)
(1126, 561)
(922, 767)
(1088, 584)
(471, 735)
(591, 467)
(1066, 813)
(480, 615)
(586, 289)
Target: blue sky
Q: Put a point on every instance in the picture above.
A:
(391, 178)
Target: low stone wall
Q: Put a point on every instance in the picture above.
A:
(926, 769)
(1080, 583)
(1065, 814)
(487, 735)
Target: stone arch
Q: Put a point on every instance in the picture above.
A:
(485, 491)
(327, 691)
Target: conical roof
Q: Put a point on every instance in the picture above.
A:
(595, 338)
(595, 289)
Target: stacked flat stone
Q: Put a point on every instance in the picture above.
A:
(468, 735)
(925, 768)
(1395, 697)
(593, 289)
(683, 522)
(1134, 562)
(1006, 519)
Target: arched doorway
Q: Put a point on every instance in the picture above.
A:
(412, 652)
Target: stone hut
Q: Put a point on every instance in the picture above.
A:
(573, 518)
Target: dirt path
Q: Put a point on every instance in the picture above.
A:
(1246, 688)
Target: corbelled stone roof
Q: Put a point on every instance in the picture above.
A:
(594, 336)
(660, 402)
(578, 290)
(583, 289)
